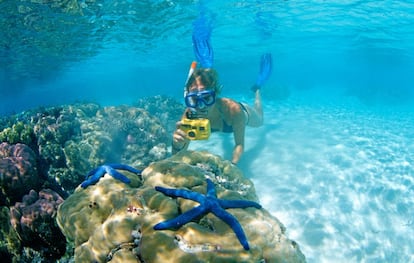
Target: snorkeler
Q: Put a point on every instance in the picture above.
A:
(224, 114)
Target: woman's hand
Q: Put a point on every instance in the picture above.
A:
(180, 139)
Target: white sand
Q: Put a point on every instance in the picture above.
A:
(340, 177)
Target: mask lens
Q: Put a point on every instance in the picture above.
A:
(200, 99)
(191, 100)
(208, 97)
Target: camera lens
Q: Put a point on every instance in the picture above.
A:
(192, 134)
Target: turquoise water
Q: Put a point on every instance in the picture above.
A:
(334, 159)
(51, 53)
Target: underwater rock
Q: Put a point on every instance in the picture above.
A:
(34, 221)
(18, 172)
(113, 221)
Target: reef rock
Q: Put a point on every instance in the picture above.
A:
(18, 172)
(113, 221)
(33, 219)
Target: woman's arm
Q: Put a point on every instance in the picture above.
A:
(180, 140)
(239, 128)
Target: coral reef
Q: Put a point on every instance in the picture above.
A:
(18, 132)
(113, 221)
(167, 109)
(18, 172)
(6, 249)
(71, 139)
(33, 219)
(54, 148)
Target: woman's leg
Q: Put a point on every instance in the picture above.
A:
(256, 113)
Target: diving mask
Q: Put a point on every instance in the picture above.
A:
(200, 99)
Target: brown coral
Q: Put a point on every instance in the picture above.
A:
(34, 221)
(18, 172)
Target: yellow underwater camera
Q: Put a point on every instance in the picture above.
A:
(196, 129)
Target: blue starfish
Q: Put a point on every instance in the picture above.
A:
(93, 176)
(208, 203)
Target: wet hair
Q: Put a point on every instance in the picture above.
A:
(207, 76)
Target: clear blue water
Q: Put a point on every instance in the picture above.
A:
(334, 158)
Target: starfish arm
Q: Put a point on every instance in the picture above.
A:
(211, 190)
(181, 193)
(181, 219)
(125, 167)
(92, 172)
(208, 203)
(238, 204)
(117, 175)
(233, 223)
(93, 178)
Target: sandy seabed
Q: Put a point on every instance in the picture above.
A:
(339, 176)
